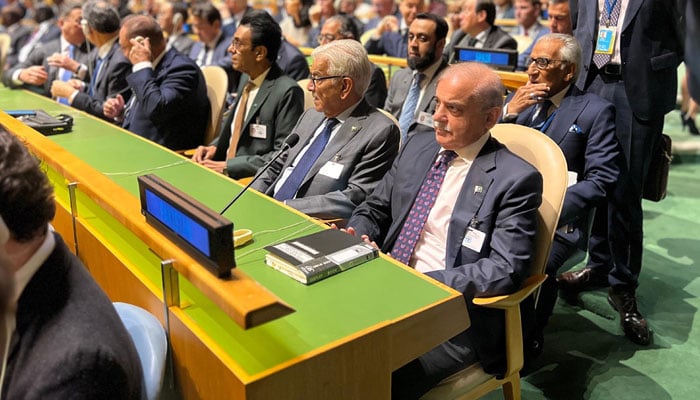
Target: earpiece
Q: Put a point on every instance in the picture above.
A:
(139, 39)
(85, 26)
(177, 19)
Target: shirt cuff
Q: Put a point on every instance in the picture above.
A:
(142, 65)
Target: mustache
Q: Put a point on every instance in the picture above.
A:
(442, 126)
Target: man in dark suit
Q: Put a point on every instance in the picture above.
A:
(212, 47)
(417, 82)
(51, 61)
(11, 16)
(477, 29)
(292, 61)
(583, 125)
(459, 207)
(341, 27)
(109, 67)
(169, 104)
(237, 9)
(172, 16)
(45, 31)
(67, 340)
(636, 71)
(345, 145)
(391, 34)
(268, 103)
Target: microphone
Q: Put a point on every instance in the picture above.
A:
(289, 142)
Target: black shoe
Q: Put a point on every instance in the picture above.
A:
(581, 280)
(633, 324)
(692, 127)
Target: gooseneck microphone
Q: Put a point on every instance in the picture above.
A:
(289, 142)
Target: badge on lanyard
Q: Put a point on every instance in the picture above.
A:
(606, 40)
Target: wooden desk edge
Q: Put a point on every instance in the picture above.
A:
(243, 299)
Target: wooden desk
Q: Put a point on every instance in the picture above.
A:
(345, 334)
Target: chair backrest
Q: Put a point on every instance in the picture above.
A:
(217, 84)
(151, 344)
(5, 41)
(308, 96)
(539, 150)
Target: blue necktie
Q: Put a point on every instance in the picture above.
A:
(66, 74)
(408, 111)
(413, 226)
(540, 117)
(95, 73)
(291, 185)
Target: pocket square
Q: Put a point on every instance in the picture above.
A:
(575, 129)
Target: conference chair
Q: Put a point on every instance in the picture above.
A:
(151, 344)
(540, 151)
(366, 35)
(308, 96)
(217, 83)
(5, 41)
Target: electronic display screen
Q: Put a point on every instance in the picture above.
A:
(178, 222)
(496, 58)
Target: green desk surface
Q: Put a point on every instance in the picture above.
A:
(327, 311)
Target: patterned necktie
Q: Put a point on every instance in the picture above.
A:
(608, 17)
(95, 74)
(66, 74)
(238, 121)
(291, 185)
(413, 226)
(408, 112)
(541, 115)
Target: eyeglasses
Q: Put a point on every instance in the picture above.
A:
(541, 62)
(236, 44)
(315, 80)
(326, 38)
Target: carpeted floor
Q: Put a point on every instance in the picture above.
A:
(587, 357)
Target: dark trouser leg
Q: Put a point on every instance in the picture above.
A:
(560, 252)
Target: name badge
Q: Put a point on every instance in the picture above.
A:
(606, 41)
(332, 170)
(425, 118)
(258, 131)
(474, 239)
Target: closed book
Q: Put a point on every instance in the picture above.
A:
(311, 258)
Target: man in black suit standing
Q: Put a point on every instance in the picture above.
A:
(630, 52)
(477, 29)
(67, 340)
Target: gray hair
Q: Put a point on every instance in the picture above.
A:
(347, 57)
(570, 50)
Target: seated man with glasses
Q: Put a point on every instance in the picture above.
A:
(345, 146)
(583, 125)
(268, 103)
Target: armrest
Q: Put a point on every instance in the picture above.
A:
(513, 299)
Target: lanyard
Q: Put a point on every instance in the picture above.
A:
(609, 6)
(548, 122)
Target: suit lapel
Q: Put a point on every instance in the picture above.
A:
(561, 123)
(632, 8)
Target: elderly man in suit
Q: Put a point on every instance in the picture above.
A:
(169, 104)
(477, 29)
(345, 145)
(109, 67)
(459, 207)
(391, 34)
(630, 53)
(583, 125)
(63, 59)
(267, 106)
(412, 89)
(67, 340)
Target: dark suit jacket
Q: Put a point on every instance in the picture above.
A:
(496, 38)
(651, 47)
(505, 211)
(377, 89)
(278, 105)
(18, 37)
(584, 128)
(111, 81)
(171, 106)
(69, 342)
(365, 144)
(183, 43)
(292, 61)
(38, 57)
(393, 44)
(398, 90)
(221, 58)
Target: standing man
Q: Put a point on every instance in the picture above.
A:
(477, 29)
(583, 125)
(559, 16)
(109, 67)
(461, 208)
(527, 13)
(67, 341)
(169, 104)
(391, 35)
(412, 89)
(267, 106)
(345, 146)
(630, 52)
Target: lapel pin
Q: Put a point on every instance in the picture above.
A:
(354, 129)
(478, 189)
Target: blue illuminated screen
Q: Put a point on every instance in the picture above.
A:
(485, 57)
(194, 233)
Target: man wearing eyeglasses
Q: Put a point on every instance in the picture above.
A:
(345, 146)
(268, 102)
(583, 125)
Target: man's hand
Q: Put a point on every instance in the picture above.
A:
(217, 166)
(203, 153)
(140, 50)
(34, 75)
(113, 108)
(61, 89)
(388, 24)
(351, 231)
(527, 95)
(76, 84)
(64, 61)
